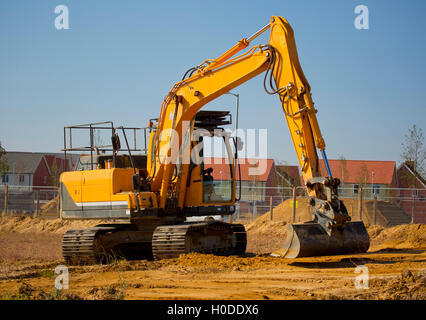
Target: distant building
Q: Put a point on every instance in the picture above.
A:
(288, 176)
(375, 177)
(35, 168)
(258, 181)
(383, 180)
(256, 174)
(408, 177)
(412, 199)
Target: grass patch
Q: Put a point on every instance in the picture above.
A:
(47, 273)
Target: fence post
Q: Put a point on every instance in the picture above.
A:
(37, 212)
(375, 210)
(294, 205)
(360, 203)
(6, 191)
(58, 204)
(271, 210)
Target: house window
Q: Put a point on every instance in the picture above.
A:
(356, 187)
(376, 189)
(21, 178)
(45, 180)
(415, 193)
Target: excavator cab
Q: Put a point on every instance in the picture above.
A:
(211, 172)
(218, 172)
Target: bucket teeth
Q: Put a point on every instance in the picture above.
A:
(310, 239)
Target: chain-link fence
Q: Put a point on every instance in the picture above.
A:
(385, 206)
(28, 200)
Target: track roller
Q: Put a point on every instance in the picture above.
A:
(213, 237)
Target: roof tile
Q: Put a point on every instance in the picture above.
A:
(384, 171)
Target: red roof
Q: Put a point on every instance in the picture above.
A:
(384, 171)
(291, 171)
(251, 169)
(51, 159)
(408, 177)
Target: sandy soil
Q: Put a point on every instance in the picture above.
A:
(396, 262)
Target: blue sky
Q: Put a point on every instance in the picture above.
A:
(120, 58)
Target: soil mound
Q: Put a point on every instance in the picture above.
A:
(283, 214)
(408, 286)
(38, 225)
(266, 235)
(51, 206)
(408, 236)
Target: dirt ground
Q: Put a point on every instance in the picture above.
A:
(30, 250)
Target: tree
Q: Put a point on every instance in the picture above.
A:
(283, 174)
(414, 152)
(343, 167)
(363, 175)
(4, 166)
(55, 173)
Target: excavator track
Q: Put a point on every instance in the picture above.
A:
(207, 237)
(241, 238)
(84, 246)
(101, 244)
(78, 246)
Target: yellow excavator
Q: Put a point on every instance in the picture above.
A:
(156, 194)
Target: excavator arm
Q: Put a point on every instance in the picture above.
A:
(284, 77)
(186, 99)
(215, 77)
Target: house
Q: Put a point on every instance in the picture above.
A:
(258, 181)
(408, 177)
(256, 174)
(375, 177)
(35, 168)
(288, 176)
(412, 198)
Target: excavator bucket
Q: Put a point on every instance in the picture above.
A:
(310, 239)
